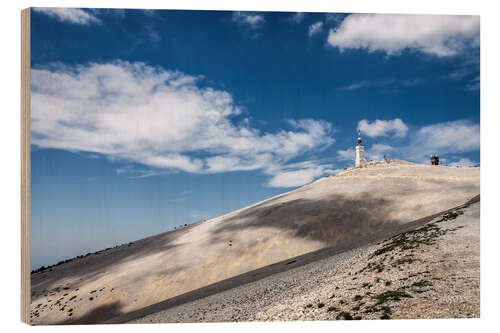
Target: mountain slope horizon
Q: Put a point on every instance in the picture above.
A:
(343, 210)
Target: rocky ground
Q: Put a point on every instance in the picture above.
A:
(430, 272)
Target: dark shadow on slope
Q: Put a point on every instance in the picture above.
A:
(333, 220)
(97, 315)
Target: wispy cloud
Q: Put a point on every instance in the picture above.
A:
(334, 18)
(386, 82)
(153, 35)
(315, 28)
(161, 119)
(467, 71)
(70, 15)
(438, 35)
(249, 19)
(297, 17)
(474, 84)
(138, 173)
(464, 162)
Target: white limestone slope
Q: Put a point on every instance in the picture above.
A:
(440, 274)
(330, 211)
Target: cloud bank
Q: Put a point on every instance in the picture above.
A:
(164, 120)
(437, 35)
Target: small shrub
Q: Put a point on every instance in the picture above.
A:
(386, 309)
(392, 295)
(345, 315)
(421, 284)
(320, 305)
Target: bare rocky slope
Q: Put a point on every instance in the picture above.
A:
(347, 211)
(429, 272)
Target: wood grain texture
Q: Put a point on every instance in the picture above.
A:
(25, 165)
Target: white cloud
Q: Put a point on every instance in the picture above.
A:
(252, 20)
(315, 28)
(378, 128)
(295, 178)
(463, 162)
(346, 155)
(70, 15)
(158, 118)
(377, 151)
(439, 35)
(446, 138)
(299, 174)
(297, 17)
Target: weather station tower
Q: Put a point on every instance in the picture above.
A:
(360, 152)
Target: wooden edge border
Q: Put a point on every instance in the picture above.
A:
(25, 164)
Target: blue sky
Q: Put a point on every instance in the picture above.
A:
(146, 120)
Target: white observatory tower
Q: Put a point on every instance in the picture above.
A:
(360, 152)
